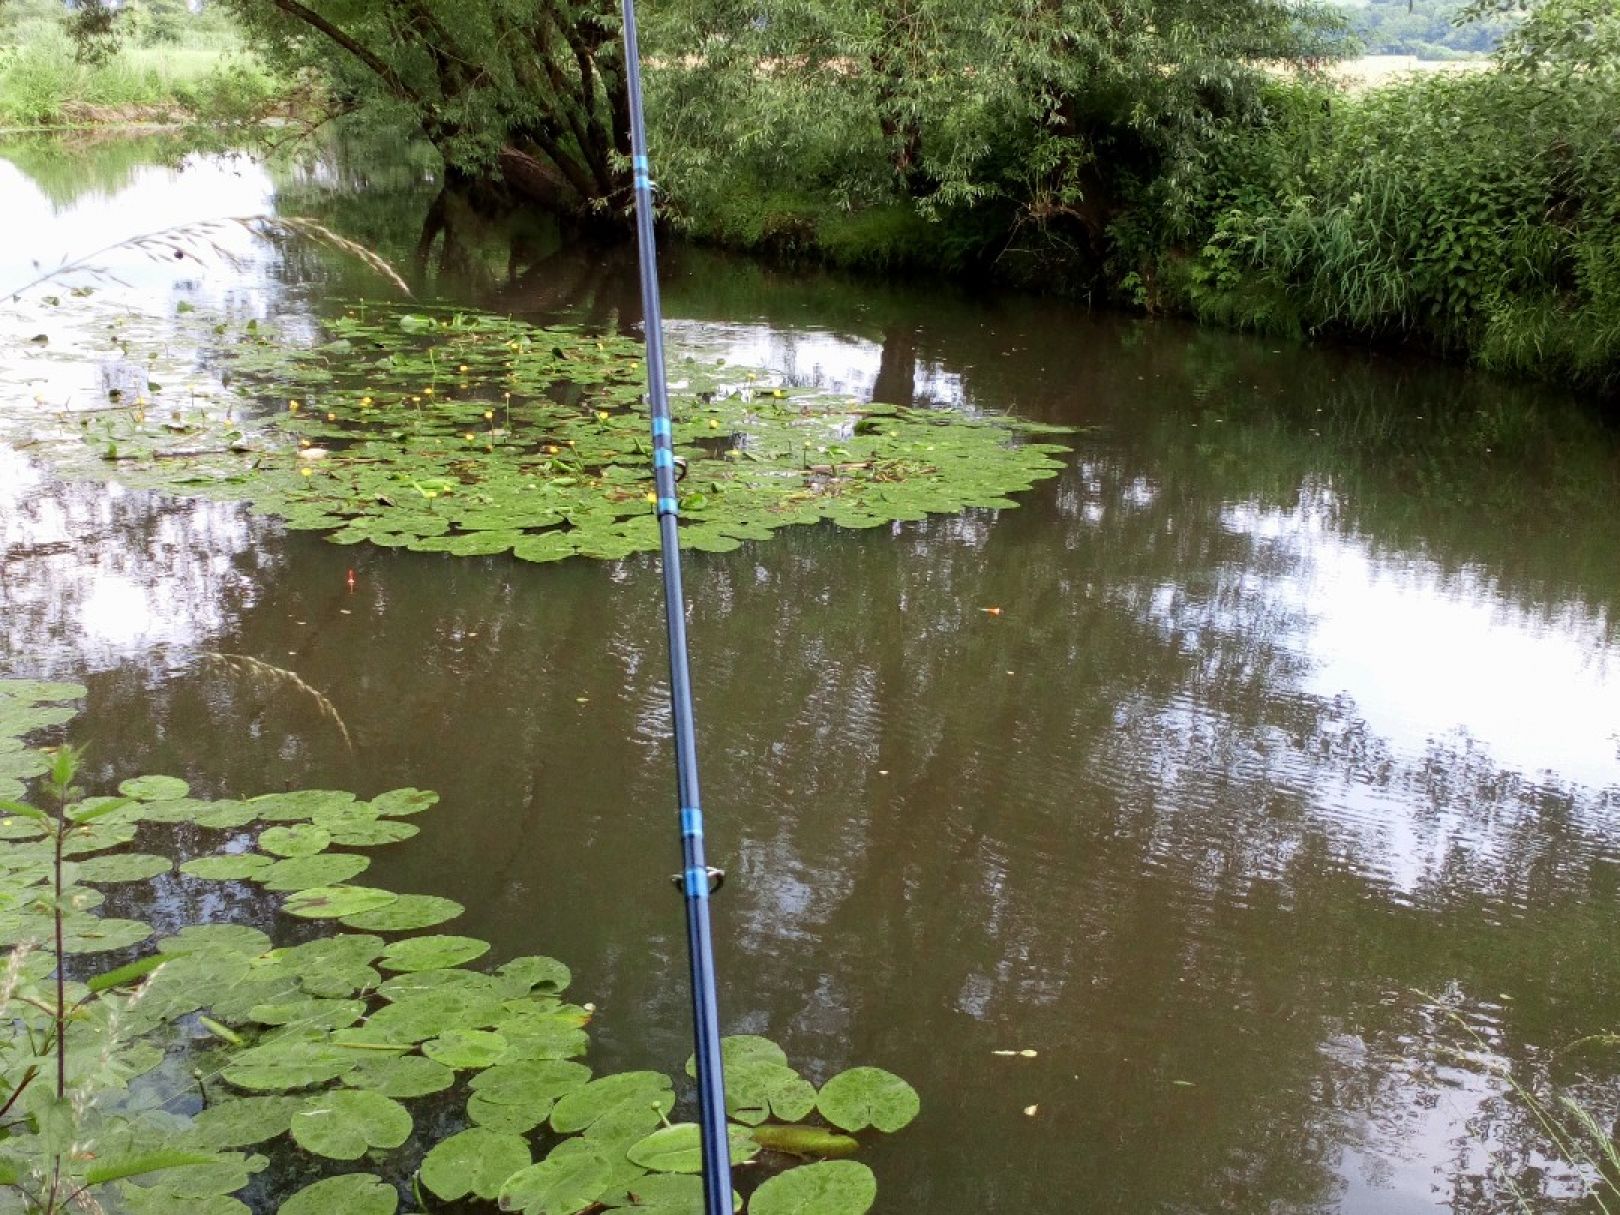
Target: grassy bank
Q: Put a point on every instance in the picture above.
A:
(204, 75)
(1474, 215)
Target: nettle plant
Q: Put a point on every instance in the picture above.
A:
(170, 1081)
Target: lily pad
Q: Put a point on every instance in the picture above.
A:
(584, 1107)
(345, 1123)
(400, 1076)
(303, 839)
(155, 788)
(335, 902)
(227, 867)
(350, 1194)
(398, 802)
(404, 913)
(465, 1048)
(476, 1161)
(679, 1148)
(868, 1096)
(244, 1121)
(432, 953)
(831, 1187)
(561, 1184)
(309, 872)
(289, 1063)
(123, 867)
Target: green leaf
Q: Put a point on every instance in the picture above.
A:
(344, 1123)
(679, 1148)
(303, 839)
(160, 1200)
(289, 1063)
(244, 1121)
(832, 1187)
(120, 1167)
(309, 872)
(399, 802)
(432, 953)
(154, 788)
(663, 1194)
(404, 913)
(536, 974)
(229, 867)
(465, 1048)
(637, 1091)
(558, 1185)
(868, 1096)
(400, 1076)
(796, 1139)
(476, 1161)
(350, 1194)
(124, 867)
(127, 974)
(335, 902)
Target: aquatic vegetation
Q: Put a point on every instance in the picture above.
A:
(471, 434)
(171, 1077)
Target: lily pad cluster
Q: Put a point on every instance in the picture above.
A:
(193, 1060)
(471, 433)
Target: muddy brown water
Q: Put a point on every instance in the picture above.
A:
(1277, 809)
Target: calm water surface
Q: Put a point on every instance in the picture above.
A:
(1278, 809)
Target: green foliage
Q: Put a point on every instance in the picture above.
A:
(310, 1044)
(1473, 214)
(473, 434)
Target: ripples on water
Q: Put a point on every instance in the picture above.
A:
(1277, 808)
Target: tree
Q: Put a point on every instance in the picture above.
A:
(1049, 111)
(531, 92)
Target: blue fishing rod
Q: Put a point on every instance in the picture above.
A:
(695, 878)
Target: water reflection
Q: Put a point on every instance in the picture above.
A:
(1277, 809)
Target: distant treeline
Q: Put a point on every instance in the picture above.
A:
(1429, 29)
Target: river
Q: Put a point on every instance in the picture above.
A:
(1275, 806)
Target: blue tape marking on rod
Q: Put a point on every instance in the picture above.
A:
(691, 821)
(699, 945)
(662, 458)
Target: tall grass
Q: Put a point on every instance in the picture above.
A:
(1478, 215)
(205, 77)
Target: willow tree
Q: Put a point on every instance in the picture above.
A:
(1047, 110)
(531, 92)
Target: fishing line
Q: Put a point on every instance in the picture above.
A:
(696, 880)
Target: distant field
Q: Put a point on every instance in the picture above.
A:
(1371, 71)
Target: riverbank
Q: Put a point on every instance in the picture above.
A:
(1467, 214)
(43, 87)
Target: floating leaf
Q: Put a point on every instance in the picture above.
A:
(404, 913)
(334, 902)
(244, 1121)
(663, 1194)
(796, 1139)
(476, 1161)
(289, 1063)
(679, 1148)
(303, 839)
(561, 1184)
(868, 1096)
(536, 974)
(400, 1076)
(832, 1187)
(345, 1123)
(465, 1048)
(309, 872)
(228, 867)
(432, 953)
(125, 867)
(309, 1014)
(350, 1194)
(155, 788)
(398, 802)
(637, 1091)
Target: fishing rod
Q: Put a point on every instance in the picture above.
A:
(695, 877)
